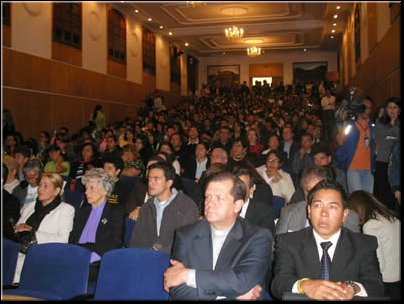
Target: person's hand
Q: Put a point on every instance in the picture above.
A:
(326, 290)
(253, 294)
(175, 275)
(22, 227)
(134, 214)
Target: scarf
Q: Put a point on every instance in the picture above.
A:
(41, 211)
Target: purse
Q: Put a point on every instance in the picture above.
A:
(27, 239)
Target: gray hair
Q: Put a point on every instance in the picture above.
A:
(99, 175)
(33, 165)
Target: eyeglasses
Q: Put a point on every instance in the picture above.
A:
(273, 160)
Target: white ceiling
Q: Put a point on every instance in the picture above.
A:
(273, 25)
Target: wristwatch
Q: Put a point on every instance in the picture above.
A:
(353, 285)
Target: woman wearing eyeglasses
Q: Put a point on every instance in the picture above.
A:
(280, 181)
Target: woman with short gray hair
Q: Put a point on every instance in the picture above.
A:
(99, 223)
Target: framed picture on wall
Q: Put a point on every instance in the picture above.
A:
(223, 75)
(309, 71)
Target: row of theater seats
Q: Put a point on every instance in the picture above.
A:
(58, 271)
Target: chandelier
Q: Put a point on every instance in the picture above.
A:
(196, 3)
(253, 51)
(234, 32)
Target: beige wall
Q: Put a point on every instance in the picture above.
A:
(162, 64)
(94, 37)
(31, 30)
(134, 51)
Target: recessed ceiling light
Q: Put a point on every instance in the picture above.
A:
(332, 37)
(224, 53)
(333, 31)
(304, 50)
(136, 11)
(335, 16)
(170, 33)
(334, 24)
(338, 7)
(186, 44)
(161, 27)
(149, 19)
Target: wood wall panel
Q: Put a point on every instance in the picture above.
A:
(6, 35)
(116, 69)
(175, 88)
(395, 11)
(396, 83)
(45, 94)
(66, 53)
(387, 53)
(372, 25)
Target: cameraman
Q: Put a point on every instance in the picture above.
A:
(355, 152)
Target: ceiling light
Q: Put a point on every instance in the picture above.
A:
(170, 33)
(334, 24)
(338, 7)
(253, 51)
(335, 16)
(234, 32)
(304, 50)
(149, 19)
(136, 11)
(195, 3)
(333, 31)
(186, 44)
(332, 37)
(161, 27)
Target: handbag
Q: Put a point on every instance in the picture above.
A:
(27, 239)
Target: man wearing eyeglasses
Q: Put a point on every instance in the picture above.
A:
(165, 211)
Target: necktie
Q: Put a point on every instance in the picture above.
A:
(325, 261)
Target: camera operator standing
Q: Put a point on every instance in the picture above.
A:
(356, 147)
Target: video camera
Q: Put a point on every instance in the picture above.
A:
(350, 107)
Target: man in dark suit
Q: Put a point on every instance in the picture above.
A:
(221, 256)
(348, 266)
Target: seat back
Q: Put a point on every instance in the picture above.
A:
(56, 268)
(10, 255)
(74, 198)
(129, 229)
(132, 274)
(279, 202)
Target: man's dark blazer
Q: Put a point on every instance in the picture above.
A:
(296, 257)
(110, 230)
(241, 264)
(261, 214)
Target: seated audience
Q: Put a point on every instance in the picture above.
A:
(164, 212)
(221, 256)
(47, 220)
(98, 225)
(11, 181)
(383, 223)
(303, 265)
(27, 190)
(281, 183)
(57, 163)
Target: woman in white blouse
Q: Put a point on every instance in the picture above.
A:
(280, 181)
(383, 223)
(49, 217)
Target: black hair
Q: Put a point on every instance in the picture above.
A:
(169, 171)
(328, 183)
